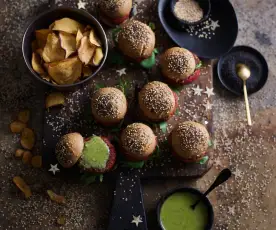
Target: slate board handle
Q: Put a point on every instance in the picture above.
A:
(127, 203)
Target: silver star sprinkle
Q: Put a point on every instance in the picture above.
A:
(231, 210)
(238, 173)
(208, 105)
(136, 220)
(209, 92)
(54, 168)
(214, 25)
(121, 71)
(81, 4)
(197, 90)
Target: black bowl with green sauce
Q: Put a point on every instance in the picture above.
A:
(174, 211)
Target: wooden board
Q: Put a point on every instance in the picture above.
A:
(76, 116)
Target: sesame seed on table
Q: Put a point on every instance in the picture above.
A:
(246, 202)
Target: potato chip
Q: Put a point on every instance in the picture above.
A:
(97, 57)
(27, 138)
(66, 71)
(68, 43)
(86, 71)
(27, 157)
(36, 64)
(93, 39)
(46, 78)
(19, 152)
(39, 51)
(24, 115)
(41, 37)
(67, 25)
(36, 161)
(52, 50)
(55, 197)
(55, 99)
(61, 220)
(78, 38)
(17, 126)
(21, 184)
(86, 50)
(87, 28)
(34, 46)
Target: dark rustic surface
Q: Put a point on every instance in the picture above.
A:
(246, 202)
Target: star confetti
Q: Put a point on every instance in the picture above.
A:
(231, 210)
(121, 71)
(217, 162)
(209, 92)
(197, 90)
(214, 25)
(208, 105)
(238, 173)
(81, 4)
(54, 168)
(136, 220)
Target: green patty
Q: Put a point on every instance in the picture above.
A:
(95, 154)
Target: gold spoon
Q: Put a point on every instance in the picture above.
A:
(244, 73)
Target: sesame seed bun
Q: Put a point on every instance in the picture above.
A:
(138, 142)
(177, 64)
(115, 8)
(157, 101)
(136, 40)
(109, 106)
(189, 140)
(69, 149)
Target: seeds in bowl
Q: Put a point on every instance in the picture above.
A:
(66, 52)
(188, 10)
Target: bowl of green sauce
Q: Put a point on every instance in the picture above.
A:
(174, 211)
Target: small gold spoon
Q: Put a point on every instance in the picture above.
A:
(244, 73)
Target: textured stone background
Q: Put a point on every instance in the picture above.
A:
(246, 202)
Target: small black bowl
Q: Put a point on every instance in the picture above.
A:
(249, 56)
(205, 6)
(193, 191)
(43, 21)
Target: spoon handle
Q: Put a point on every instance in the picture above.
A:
(223, 176)
(246, 104)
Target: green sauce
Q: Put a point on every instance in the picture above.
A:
(95, 154)
(176, 213)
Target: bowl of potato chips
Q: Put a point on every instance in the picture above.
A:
(64, 47)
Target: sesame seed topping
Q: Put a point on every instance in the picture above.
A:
(136, 138)
(107, 102)
(137, 34)
(193, 138)
(112, 5)
(188, 10)
(158, 98)
(180, 61)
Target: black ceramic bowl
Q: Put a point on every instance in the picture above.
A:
(205, 6)
(43, 21)
(193, 191)
(249, 56)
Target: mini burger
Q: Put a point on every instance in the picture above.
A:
(109, 106)
(180, 66)
(114, 12)
(189, 141)
(137, 142)
(157, 101)
(98, 156)
(95, 154)
(136, 40)
(69, 149)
